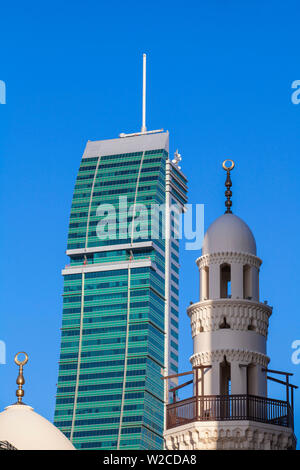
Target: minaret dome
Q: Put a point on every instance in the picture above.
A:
(229, 233)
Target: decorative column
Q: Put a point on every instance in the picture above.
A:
(237, 280)
(214, 281)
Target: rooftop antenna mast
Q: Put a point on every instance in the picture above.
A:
(144, 128)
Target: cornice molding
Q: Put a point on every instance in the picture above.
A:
(229, 436)
(228, 257)
(207, 315)
(232, 355)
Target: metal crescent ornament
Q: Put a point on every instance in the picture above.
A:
(228, 168)
(21, 363)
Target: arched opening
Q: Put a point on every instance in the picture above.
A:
(200, 327)
(251, 326)
(225, 280)
(224, 325)
(225, 377)
(247, 282)
(225, 387)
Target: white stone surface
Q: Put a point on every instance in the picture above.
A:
(229, 295)
(27, 430)
(240, 315)
(230, 339)
(229, 233)
(229, 435)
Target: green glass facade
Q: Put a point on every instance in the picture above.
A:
(120, 315)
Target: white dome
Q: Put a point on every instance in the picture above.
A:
(229, 233)
(27, 430)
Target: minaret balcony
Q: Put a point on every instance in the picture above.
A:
(230, 408)
(226, 420)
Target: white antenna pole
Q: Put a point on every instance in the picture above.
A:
(144, 128)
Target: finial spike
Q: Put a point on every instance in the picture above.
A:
(20, 379)
(144, 128)
(228, 184)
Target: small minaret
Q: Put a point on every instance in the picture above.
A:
(230, 408)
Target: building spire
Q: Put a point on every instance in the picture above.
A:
(144, 128)
(228, 184)
(20, 380)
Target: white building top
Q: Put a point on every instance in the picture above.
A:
(23, 428)
(27, 430)
(229, 233)
(135, 143)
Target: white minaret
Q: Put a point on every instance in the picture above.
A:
(230, 408)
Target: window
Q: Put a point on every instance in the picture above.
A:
(225, 280)
(225, 377)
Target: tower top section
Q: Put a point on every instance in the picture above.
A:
(228, 233)
(133, 143)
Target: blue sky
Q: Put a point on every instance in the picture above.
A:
(219, 79)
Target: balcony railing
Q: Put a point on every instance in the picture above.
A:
(229, 407)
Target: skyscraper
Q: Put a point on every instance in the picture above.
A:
(120, 302)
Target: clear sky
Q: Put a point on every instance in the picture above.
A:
(219, 79)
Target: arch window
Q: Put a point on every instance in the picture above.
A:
(225, 280)
(225, 377)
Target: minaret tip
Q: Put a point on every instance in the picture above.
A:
(228, 184)
(20, 379)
